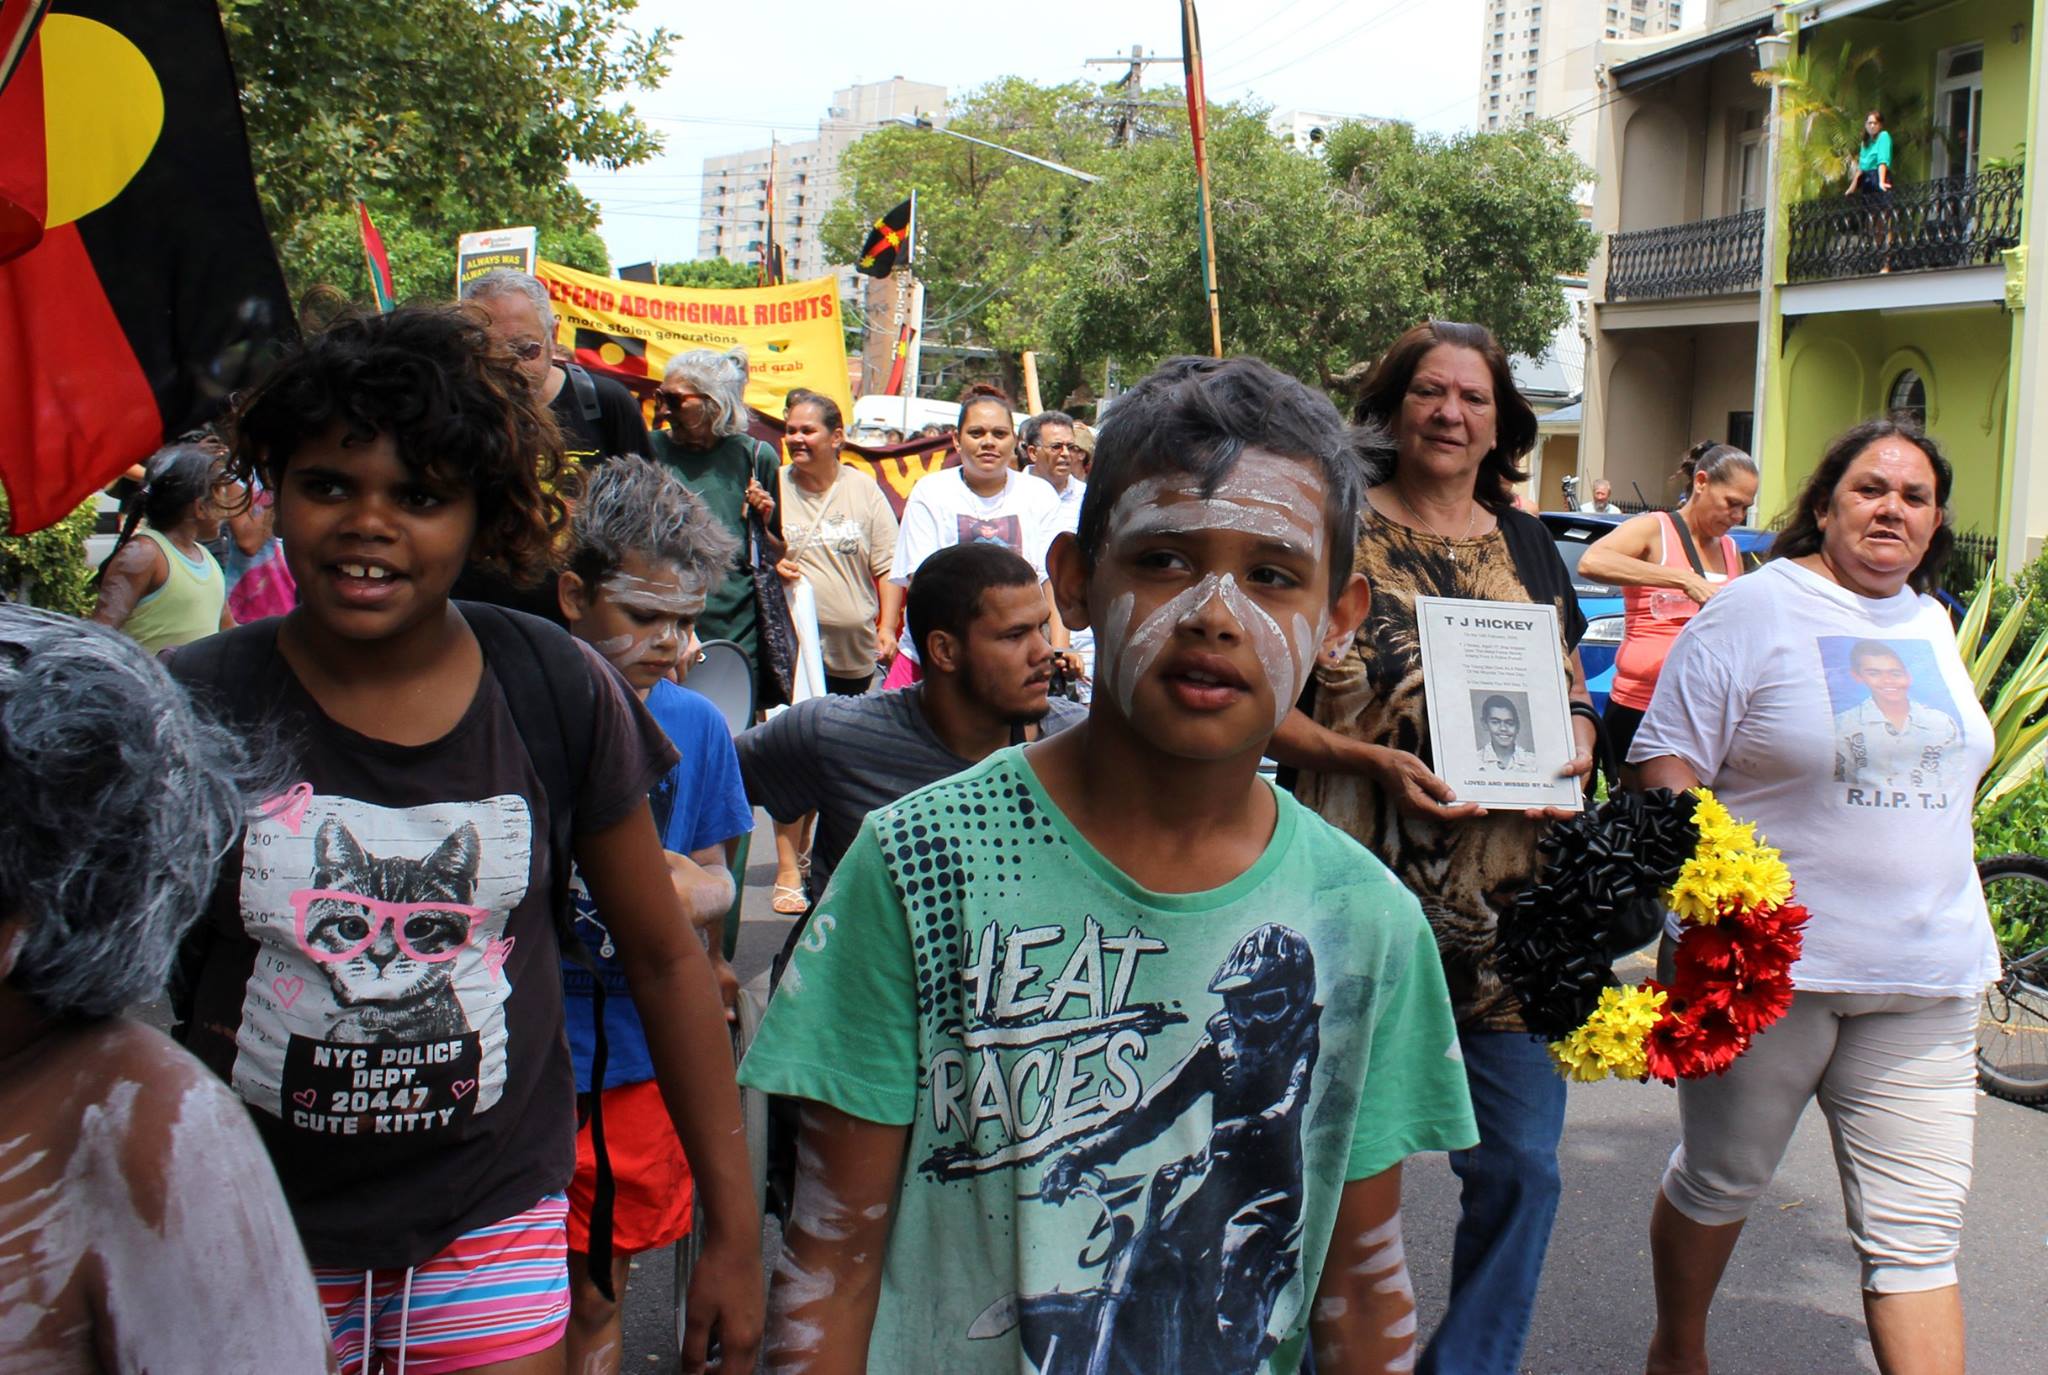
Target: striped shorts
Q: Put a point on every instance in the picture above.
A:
(494, 1294)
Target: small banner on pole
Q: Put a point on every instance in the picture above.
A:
(486, 250)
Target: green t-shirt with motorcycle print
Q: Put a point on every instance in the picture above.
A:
(1131, 1113)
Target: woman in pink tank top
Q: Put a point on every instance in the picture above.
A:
(1667, 564)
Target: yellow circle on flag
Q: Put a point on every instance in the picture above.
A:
(611, 353)
(103, 110)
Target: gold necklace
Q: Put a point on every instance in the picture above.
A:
(1449, 548)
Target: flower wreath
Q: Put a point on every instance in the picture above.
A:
(1598, 898)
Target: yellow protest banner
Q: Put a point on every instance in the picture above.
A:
(794, 334)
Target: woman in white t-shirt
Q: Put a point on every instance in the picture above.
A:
(984, 500)
(1838, 634)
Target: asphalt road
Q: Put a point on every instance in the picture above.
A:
(1788, 1307)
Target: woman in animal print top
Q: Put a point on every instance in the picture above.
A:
(1440, 522)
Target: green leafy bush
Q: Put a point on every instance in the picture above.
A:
(48, 568)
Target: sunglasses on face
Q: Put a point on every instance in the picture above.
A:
(1060, 448)
(429, 932)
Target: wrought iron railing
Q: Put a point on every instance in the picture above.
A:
(1705, 258)
(1948, 222)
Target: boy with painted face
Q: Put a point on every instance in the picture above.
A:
(644, 551)
(1127, 1047)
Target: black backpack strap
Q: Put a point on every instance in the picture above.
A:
(554, 709)
(1692, 553)
(210, 670)
(586, 390)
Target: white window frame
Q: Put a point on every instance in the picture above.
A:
(1945, 163)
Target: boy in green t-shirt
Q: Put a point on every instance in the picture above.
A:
(1110, 1052)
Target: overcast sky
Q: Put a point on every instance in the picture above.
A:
(740, 72)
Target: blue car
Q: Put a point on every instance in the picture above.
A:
(1600, 602)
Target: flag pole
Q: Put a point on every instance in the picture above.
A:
(1198, 130)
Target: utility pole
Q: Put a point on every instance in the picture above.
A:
(1124, 131)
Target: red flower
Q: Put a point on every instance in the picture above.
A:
(1696, 1037)
(1710, 949)
(1760, 1002)
(1719, 1042)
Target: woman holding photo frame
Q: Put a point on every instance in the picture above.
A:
(1440, 522)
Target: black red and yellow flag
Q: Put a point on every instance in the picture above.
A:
(138, 286)
(616, 354)
(886, 243)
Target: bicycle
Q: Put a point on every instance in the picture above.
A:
(2012, 1027)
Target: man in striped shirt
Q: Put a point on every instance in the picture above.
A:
(977, 617)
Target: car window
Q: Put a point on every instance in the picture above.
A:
(1571, 545)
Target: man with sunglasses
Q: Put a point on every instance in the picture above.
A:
(599, 417)
(1049, 446)
(1048, 440)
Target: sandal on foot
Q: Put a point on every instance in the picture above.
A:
(788, 901)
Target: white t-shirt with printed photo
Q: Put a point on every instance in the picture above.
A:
(944, 511)
(1864, 779)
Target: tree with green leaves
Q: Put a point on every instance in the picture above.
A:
(984, 217)
(710, 272)
(1321, 260)
(443, 116)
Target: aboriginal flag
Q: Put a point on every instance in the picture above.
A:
(620, 355)
(886, 242)
(138, 286)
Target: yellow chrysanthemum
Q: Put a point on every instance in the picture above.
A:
(1732, 867)
(1611, 1039)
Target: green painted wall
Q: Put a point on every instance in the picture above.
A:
(1911, 46)
(1838, 370)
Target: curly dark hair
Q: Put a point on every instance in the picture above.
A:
(1800, 533)
(1385, 387)
(459, 411)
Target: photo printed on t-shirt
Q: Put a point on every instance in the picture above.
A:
(376, 1004)
(1007, 531)
(1898, 736)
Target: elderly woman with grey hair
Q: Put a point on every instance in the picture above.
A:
(704, 442)
(140, 1223)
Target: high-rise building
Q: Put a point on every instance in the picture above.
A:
(733, 211)
(1536, 57)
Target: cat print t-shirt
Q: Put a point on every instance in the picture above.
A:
(1847, 728)
(1128, 1109)
(378, 974)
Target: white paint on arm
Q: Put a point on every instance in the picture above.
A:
(201, 1264)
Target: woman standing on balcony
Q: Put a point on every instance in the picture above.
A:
(1873, 175)
(1667, 564)
(1873, 182)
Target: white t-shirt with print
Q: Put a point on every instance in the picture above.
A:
(1762, 697)
(943, 511)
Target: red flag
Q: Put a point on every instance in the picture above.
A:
(379, 262)
(902, 356)
(145, 290)
(1198, 129)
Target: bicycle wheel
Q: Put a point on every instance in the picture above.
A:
(2012, 1027)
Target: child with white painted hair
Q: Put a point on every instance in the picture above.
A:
(141, 1227)
(644, 553)
(1111, 1051)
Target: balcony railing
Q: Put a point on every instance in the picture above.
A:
(1705, 258)
(1949, 222)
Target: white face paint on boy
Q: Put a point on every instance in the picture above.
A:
(1276, 504)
